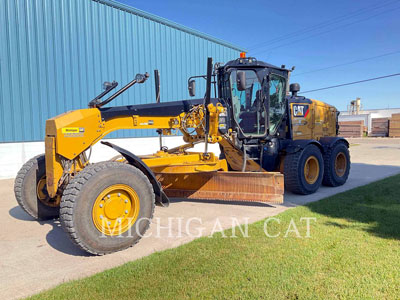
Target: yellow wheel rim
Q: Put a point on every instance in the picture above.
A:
(43, 196)
(41, 189)
(116, 209)
(311, 170)
(340, 164)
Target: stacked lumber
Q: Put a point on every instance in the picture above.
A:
(351, 128)
(394, 125)
(380, 127)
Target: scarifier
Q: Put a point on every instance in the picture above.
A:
(269, 142)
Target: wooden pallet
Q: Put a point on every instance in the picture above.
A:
(380, 127)
(396, 116)
(394, 125)
(351, 128)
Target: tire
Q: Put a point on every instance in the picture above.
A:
(25, 190)
(337, 165)
(296, 180)
(80, 201)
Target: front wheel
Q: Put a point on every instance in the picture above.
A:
(31, 191)
(303, 170)
(107, 207)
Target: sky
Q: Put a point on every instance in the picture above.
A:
(309, 35)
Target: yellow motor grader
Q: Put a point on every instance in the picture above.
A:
(269, 142)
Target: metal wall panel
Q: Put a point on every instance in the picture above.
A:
(55, 54)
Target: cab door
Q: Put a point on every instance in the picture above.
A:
(247, 105)
(277, 101)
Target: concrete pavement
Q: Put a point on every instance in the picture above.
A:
(38, 255)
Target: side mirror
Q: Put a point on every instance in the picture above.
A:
(241, 80)
(192, 88)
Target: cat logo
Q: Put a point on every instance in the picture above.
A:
(300, 110)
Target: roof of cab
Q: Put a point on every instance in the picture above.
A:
(250, 62)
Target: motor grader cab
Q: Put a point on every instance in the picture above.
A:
(268, 141)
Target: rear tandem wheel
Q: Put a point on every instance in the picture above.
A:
(337, 165)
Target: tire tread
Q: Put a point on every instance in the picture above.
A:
(72, 191)
(19, 186)
(292, 182)
(328, 179)
(291, 171)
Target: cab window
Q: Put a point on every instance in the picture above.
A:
(277, 101)
(248, 107)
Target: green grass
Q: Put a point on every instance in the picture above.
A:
(353, 253)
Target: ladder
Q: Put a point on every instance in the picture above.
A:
(246, 158)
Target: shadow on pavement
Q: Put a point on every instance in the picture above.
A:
(386, 147)
(19, 214)
(59, 240)
(56, 237)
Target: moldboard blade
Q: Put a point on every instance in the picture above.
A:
(232, 186)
